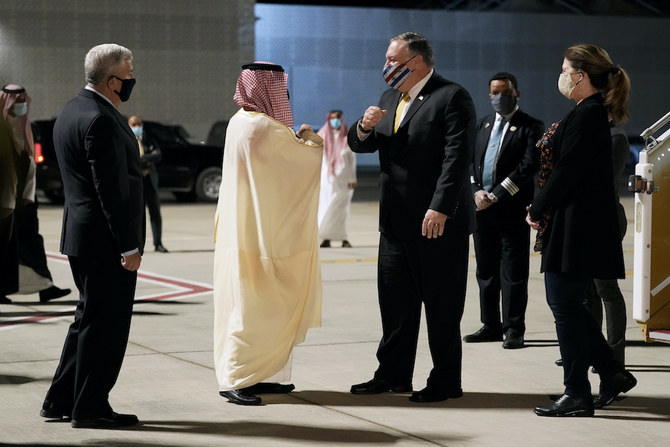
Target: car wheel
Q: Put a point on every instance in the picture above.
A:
(207, 184)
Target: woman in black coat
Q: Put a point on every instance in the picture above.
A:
(575, 212)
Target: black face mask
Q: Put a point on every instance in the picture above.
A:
(126, 88)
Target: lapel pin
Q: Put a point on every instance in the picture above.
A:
(421, 98)
(513, 128)
(486, 125)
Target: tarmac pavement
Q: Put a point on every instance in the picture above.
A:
(168, 374)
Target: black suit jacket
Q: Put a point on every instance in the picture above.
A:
(517, 161)
(425, 164)
(152, 155)
(99, 162)
(583, 236)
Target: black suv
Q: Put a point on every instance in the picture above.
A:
(191, 171)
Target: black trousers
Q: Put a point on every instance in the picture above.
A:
(9, 267)
(30, 242)
(579, 337)
(606, 292)
(152, 201)
(96, 341)
(9, 256)
(432, 272)
(502, 252)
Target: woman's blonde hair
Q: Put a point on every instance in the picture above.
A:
(608, 78)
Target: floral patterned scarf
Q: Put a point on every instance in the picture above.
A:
(546, 146)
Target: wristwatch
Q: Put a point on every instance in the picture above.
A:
(360, 127)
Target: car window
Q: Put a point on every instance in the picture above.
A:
(163, 135)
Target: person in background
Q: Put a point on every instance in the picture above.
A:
(267, 276)
(574, 209)
(606, 292)
(103, 237)
(424, 131)
(338, 180)
(150, 154)
(504, 165)
(25, 267)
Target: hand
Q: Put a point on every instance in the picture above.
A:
(482, 200)
(131, 262)
(4, 212)
(373, 115)
(433, 224)
(351, 185)
(302, 129)
(26, 202)
(534, 225)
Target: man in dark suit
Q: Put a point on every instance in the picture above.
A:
(150, 154)
(424, 130)
(504, 165)
(103, 237)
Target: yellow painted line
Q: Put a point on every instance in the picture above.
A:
(364, 260)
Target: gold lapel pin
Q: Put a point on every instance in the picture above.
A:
(512, 129)
(486, 125)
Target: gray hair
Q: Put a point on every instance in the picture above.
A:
(102, 60)
(417, 44)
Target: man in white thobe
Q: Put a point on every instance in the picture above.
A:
(267, 277)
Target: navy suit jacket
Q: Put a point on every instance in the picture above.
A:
(99, 162)
(516, 164)
(424, 165)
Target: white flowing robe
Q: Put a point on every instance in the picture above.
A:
(335, 197)
(267, 276)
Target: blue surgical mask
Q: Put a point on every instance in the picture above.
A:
(503, 104)
(335, 123)
(138, 131)
(396, 75)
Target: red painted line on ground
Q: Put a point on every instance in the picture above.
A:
(187, 289)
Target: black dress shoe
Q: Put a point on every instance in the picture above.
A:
(378, 386)
(429, 394)
(325, 243)
(161, 249)
(51, 411)
(513, 340)
(269, 388)
(483, 335)
(241, 397)
(346, 244)
(52, 293)
(609, 389)
(559, 362)
(5, 300)
(114, 420)
(567, 406)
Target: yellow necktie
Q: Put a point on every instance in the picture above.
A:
(139, 143)
(399, 110)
